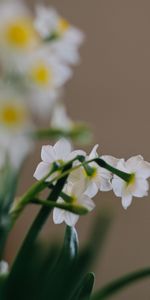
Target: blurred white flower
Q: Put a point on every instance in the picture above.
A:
(45, 75)
(138, 185)
(16, 27)
(64, 39)
(61, 152)
(76, 192)
(4, 267)
(59, 118)
(14, 148)
(14, 127)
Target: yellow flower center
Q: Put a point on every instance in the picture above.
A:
(11, 115)
(41, 74)
(63, 25)
(20, 33)
(132, 180)
(93, 173)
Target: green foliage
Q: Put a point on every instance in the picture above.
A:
(55, 273)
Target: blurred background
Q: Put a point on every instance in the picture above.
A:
(111, 92)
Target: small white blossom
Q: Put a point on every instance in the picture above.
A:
(61, 152)
(17, 34)
(78, 198)
(138, 185)
(44, 75)
(60, 119)
(4, 267)
(15, 125)
(68, 39)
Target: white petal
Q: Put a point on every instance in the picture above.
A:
(141, 188)
(76, 176)
(143, 169)
(110, 160)
(70, 219)
(121, 165)
(62, 149)
(104, 185)
(87, 202)
(93, 153)
(47, 154)
(42, 170)
(118, 186)
(126, 201)
(92, 189)
(58, 215)
(73, 154)
(133, 162)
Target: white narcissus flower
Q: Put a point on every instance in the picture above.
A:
(44, 75)
(60, 119)
(101, 178)
(76, 192)
(17, 33)
(138, 185)
(61, 152)
(67, 38)
(15, 125)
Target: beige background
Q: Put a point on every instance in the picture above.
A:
(110, 91)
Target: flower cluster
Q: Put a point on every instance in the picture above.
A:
(37, 52)
(90, 174)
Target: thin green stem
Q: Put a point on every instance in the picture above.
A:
(39, 186)
(74, 208)
(79, 132)
(36, 227)
(123, 175)
(115, 286)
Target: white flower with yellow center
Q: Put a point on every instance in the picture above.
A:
(16, 27)
(138, 185)
(45, 76)
(13, 114)
(64, 39)
(99, 179)
(14, 126)
(76, 192)
(61, 152)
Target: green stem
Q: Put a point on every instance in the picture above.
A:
(76, 209)
(79, 132)
(123, 175)
(37, 225)
(114, 287)
(39, 186)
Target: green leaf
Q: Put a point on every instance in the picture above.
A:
(96, 241)
(24, 254)
(85, 288)
(117, 285)
(59, 280)
(70, 248)
(9, 181)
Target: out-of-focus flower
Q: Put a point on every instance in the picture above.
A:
(4, 267)
(45, 75)
(60, 119)
(76, 192)
(18, 37)
(14, 127)
(61, 152)
(138, 185)
(63, 39)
